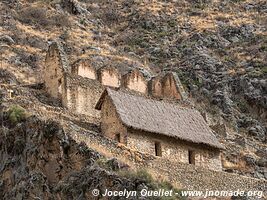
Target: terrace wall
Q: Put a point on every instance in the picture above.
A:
(183, 176)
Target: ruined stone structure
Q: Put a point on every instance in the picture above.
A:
(159, 128)
(169, 141)
(80, 85)
(80, 94)
(167, 85)
(56, 63)
(135, 80)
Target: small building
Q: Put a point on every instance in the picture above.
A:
(159, 128)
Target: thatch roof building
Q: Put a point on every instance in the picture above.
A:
(160, 117)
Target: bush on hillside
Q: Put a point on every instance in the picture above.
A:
(16, 114)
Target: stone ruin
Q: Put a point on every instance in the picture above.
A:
(79, 85)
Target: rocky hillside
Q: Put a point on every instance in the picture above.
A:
(41, 161)
(218, 48)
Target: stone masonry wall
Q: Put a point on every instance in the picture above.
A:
(81, 94)
(110, 125)
(55, 65)
(183, 176)
(175, 150)
(155, 87)
(169, 88)
(135, 81)
(165, 85)
(84, 69)
(109, 76)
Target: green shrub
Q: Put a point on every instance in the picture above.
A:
(263, 48)
(59, 20)
(144, 175)
(168, 186)
(256, 73)
(16, 114)
(242, 105)
(264, 70)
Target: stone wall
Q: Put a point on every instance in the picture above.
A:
(81, 94)
(155, 87)
(193, 177)
(110, 125)
(183, 176)
(160, 86)
(135, 81)
(84, 69)
(56, 64)
(175, 150)
(109, 76)
(167, 86)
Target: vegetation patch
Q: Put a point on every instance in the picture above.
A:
(16, 114)
(264, 70)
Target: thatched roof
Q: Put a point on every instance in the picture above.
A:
(160, 117)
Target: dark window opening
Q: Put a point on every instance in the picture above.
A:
(60, 86)
(158, 150)
(191, 157)
(118, 137)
